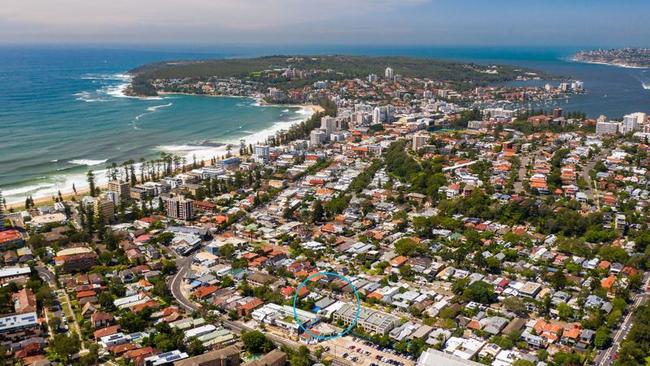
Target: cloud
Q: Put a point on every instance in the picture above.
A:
(318, 21)
(245, 20)
(226, 13)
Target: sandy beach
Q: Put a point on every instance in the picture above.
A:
(205, 156)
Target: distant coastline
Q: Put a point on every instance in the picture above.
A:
(260, 101)
(614, 64)
(630, 58)
(87, 100)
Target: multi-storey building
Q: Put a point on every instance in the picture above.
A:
(121, 188)
(372, 321)
(179, 208)
(607, 128)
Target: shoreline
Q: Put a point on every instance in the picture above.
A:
(613, 64)
(203, 154)
(314, 107)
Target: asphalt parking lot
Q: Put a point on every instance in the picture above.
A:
(360, 352)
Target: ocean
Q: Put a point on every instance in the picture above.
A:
(62, 110)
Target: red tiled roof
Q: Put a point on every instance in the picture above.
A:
(121, 348)
(149, 220)
(106, 331)
(101, 316)
(608, 282)
(398, 261)
(146, 351)
(149, 304)
(88, 293)
(9, 235)
(254, 303)
(205, 291)
(25, 301)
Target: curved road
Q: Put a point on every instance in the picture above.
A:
(176, 283)
(46, 275)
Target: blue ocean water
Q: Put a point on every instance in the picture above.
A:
(62, 113)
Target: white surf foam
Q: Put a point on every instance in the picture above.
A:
(88, 162)
(117, 91)
(64, 182)
(157, 107)
(183, 148)
(207, 152)
(25, 190)
(137, 118)
(108, 77)
(149, 110)
(89, 97)
(306, 111)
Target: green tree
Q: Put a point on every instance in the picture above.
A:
(516, 305)
(256, 342)
(227, 281)
(522, 363)
(318, 211)
(567, 359)
(91, 183)
(564, 311)
(558, 280)
(300, 357)
(479, 291)
(106, 301)
(195, 347)
(92, 357)
(135, 322)
(54, 324)
(408, 247)
(227, 250)
(165, 238)
(602, 338)
(64, 346)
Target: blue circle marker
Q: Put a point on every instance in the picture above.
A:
(331, 336)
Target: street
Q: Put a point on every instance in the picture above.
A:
(175, 285)
(606, 357)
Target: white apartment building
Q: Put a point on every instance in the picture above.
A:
(607, 128)
(389, 74)
(420, 139)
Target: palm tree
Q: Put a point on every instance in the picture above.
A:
(2, 211)
(142, 168)
(132, 172)
(163, 158)
(177, 162)
(91, 183)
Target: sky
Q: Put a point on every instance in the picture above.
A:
(410, 22)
